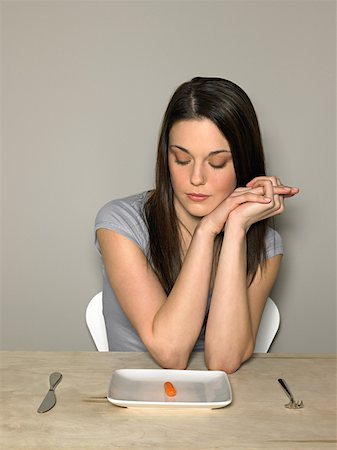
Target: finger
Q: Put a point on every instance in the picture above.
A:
(279, 201)
(268, 185)
(290, 195)
(294, 190)
(262, 178)
(286, 191)
(241, 190)
(247, 197)
(276, 182)
(282, 189)
(279, 188)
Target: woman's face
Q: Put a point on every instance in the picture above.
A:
(201, 168)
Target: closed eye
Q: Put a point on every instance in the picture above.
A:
(182, 162)
(218, 166)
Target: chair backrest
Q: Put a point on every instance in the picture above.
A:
(96, 324)
(269, 325)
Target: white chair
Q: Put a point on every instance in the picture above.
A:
(269, 325)
(96, 324)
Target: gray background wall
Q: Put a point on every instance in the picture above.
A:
(84, 87)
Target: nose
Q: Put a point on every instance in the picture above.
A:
(198, 177)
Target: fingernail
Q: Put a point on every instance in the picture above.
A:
(267, 199)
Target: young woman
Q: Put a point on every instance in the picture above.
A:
(189, 265)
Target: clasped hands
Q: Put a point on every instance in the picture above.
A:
(262, 198)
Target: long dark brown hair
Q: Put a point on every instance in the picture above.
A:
(230, 109)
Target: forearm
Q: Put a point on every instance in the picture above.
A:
(229, 338)
(177, 324)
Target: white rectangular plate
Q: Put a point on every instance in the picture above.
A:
(145, 388)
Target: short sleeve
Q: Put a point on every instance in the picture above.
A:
(273, 243)
(124, 217)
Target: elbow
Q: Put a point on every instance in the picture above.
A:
(172, 362)
(173, 365)
(228, 363)
(170, 358)
(228, 366)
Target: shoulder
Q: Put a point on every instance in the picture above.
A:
(125, 216)
(129, 208)
(273, 243)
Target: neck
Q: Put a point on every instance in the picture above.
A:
(186, 221)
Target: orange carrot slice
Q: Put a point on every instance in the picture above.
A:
(169, 389)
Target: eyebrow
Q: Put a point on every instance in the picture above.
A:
(214, 152)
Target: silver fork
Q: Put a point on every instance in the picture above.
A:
(293, 404)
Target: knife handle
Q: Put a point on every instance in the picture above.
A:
(54, 380)
(50, 399)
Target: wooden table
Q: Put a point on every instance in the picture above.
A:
(84, 419)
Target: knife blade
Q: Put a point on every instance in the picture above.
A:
(50, 399)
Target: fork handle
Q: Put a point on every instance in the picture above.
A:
(286, 389)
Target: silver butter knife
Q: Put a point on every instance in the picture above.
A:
(50, 399)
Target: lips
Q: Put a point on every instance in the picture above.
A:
(197, 197)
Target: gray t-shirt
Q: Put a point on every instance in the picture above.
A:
(126, 216)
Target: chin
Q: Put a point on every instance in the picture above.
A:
(199, 211)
